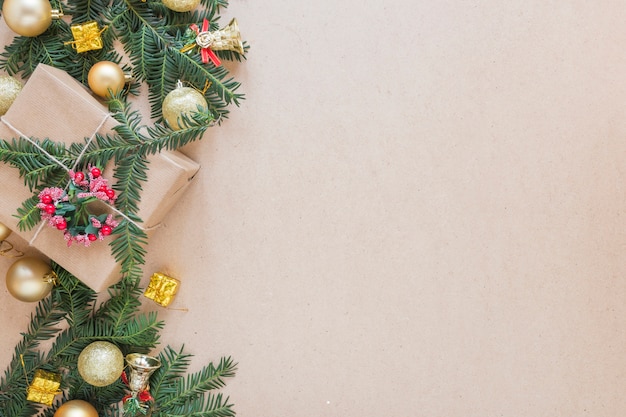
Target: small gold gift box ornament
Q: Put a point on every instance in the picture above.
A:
(44, 387)
(87, 37)
(162, 289)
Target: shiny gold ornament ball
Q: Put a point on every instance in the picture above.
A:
(9, 89)
(4, 231)
(76, 408)
(182, 100)
(106, 75)
(181, 5)
(101, 363)
(27, 17)
(26, 279)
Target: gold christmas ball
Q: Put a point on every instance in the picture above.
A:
(4, 231)
(182, 100)
(9, 89)
(106, 75)
(27, 17)
(28, 279)
(76, 408)
(181, 5)
(100, 363)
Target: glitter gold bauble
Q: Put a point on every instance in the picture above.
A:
(30, 279)
(27, 17)
(181, 5)
(106, 75)
(76, 408)
(4, 231)
(100, 363)
(9, 89)
(182, 100)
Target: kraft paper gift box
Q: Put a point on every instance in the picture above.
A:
(54, 105)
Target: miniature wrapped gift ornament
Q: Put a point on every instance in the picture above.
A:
(44, 387)
(87, 37)
(162, 289)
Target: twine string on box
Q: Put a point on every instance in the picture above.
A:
(59, 163)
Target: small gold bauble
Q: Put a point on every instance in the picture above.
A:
(76, 408)
(27, 17)
(4, 231)
(106, 75)
(182, 100)
(181, 5)
(29, 279)
(9, 89)
(100, 363)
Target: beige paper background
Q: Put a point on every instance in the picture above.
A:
(418, 211)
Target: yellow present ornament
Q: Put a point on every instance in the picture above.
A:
(44, 387)
(86, 37)
(162, 289)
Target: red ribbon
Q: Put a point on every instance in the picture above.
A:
(206, 53)
(143, 396)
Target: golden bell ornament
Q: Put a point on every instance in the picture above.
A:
(9, 89)
(141, 367)
(181, 5)
(226, 39)
(100, 363)
(30, 279)
(104, 76)
(29, 17)
(76, 408)
(182, 101)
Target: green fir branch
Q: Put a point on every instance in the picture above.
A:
(195, 385)
(206, 406)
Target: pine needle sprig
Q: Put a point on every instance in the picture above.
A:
(34, 165)
(174, 364)
(205, 406)
(74, 297)
(195, 385)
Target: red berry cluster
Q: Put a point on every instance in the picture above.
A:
(67, 210)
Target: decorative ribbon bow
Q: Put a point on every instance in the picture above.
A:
(204, 39)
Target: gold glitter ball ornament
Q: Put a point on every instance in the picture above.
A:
(9, 90)
(105, 75)
(30, 279)
(76, 408)
(4, 231)
(100, 363)
(182, 101)
(28, 17)
(181, 5)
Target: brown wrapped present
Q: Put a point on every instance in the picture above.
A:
(44, 387)
(65, 111)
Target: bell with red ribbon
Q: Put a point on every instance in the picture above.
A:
(225, 39)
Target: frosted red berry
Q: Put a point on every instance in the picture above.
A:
(92, 237)
(61, 225)
(79, 177)
(110, 193)
(50, 209)
(95, 172)
(106, 230)
(46, 199)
